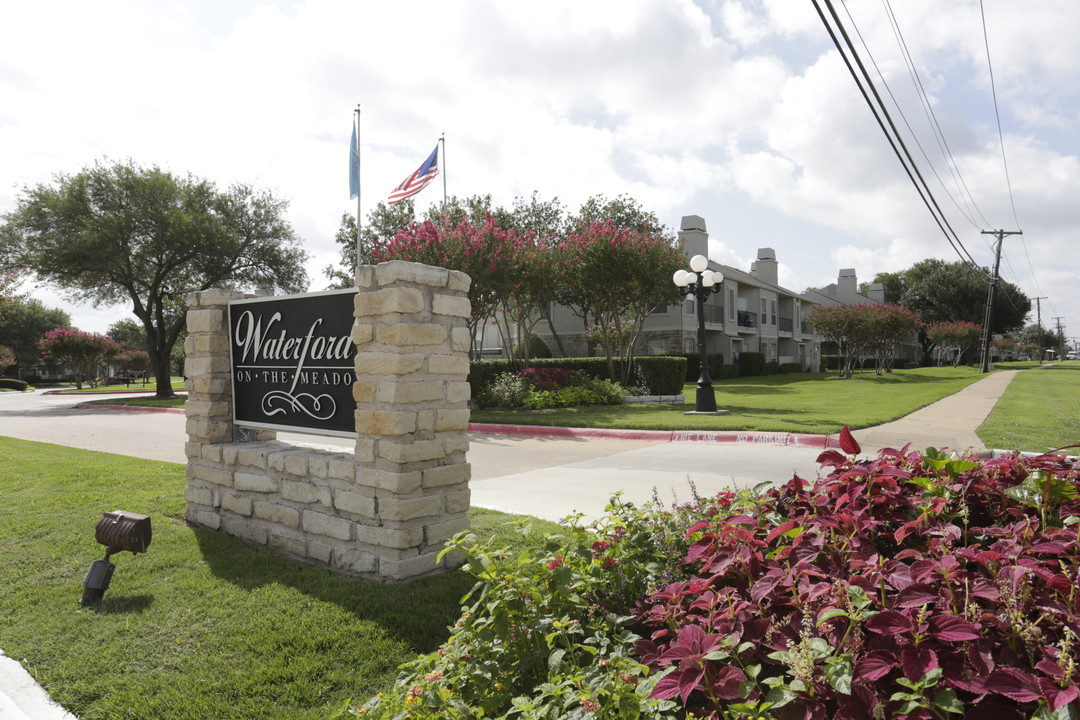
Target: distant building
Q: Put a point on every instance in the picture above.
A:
(751, 314)
(845, 291)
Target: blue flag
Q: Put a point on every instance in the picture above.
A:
(354, 165)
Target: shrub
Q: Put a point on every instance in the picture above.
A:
(751, 364)
(693, 366)
(550, 378)
(538, 348)
(908, 586)
(542, 633)
(772, 368)
(661, 375)
(505, 391)
(13, 384)
(791, 367)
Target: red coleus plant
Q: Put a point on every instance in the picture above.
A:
(907, 586)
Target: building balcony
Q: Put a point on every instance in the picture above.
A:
(787, 325)
(747, 320)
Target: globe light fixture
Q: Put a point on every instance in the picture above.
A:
(701, 283)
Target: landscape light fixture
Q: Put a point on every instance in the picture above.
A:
(701, 282)
(117, 531)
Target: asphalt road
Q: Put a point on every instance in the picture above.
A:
(545, 477)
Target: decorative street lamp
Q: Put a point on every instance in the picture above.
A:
(701, 283)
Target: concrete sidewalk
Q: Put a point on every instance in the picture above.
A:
(541, 476)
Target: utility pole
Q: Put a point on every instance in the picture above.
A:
(1059, 337)
(992, 294)
(1038, 315)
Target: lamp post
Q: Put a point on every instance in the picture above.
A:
(701, 282)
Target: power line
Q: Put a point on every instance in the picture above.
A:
(894, 138)
(931, 116)
(997, 115)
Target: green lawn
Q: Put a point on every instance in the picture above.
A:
(202, 625)
(800, 403)
(135, 386)
(1039, 411)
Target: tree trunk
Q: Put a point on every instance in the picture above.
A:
(162, 375)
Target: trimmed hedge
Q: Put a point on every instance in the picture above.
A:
(663, 375)
(791, 367)
(13, 384)
(751, 364)
(693, 366)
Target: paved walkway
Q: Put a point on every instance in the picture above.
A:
(547, 477)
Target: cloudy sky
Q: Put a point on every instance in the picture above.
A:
(739, 111)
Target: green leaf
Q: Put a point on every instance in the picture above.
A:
(948, 701)
(830, 614)
(554, 660)
(838, 673)
(779, 696)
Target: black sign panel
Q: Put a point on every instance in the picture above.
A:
(293, 362)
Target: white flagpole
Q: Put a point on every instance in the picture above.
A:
(359, 189)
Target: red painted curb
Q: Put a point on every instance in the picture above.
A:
(725, 437)
(728, 437)
(98, 392)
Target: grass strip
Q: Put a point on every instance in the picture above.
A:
(203, 625)
(1039, 411)
(799, 403)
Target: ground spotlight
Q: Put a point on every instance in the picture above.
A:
(117, 531)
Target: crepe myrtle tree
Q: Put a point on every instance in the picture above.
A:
(83, 352)
(117, 232)
(958, 336)
(617, 276)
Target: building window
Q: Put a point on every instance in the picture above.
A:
(689, 345)
(691, 305)
(764, 310)
(772, 315)
(731, 304)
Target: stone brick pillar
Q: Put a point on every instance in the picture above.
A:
(412, 414)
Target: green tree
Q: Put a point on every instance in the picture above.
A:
(894, 284)
(117, 232)
(24, 322)
(128, 333)
(947, 292)
(380, 227)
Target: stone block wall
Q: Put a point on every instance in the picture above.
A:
(384, 511)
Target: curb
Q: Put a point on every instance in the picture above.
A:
(541, 431)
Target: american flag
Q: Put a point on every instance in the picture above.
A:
(418, 180)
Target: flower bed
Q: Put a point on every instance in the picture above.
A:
(905, 586)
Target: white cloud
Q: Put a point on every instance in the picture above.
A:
(736, 111)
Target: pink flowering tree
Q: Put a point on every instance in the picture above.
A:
(862, 331)
(955, 338)
(615, 276)
(133, 361)
(83, 352)
(513, 275)
(848, 327)
(7, 358)
(890, 325)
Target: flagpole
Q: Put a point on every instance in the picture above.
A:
(443, 141)
(358, 189)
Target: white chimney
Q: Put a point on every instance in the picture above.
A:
(692, 236)
(847, 284)
(765, 267)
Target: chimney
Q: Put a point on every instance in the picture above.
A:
(876, 292)
(847, 284)
(692, 236)
(765, 267)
